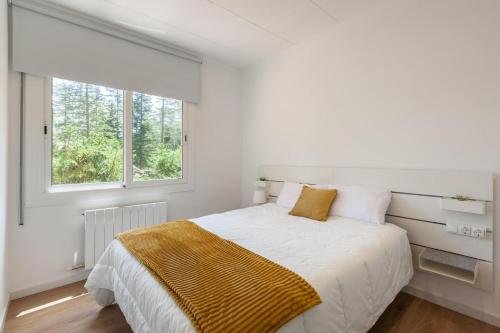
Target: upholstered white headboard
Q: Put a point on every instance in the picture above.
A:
(422, 206)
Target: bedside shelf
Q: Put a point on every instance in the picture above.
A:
(447, 264)
(468, 206)
(261, 183)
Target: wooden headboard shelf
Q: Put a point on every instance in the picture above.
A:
(416, 207)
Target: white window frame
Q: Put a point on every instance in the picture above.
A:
(128, 180)
(181, 184)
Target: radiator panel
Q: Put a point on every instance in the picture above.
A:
(102, 225)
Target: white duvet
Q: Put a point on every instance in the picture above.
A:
(357, 268)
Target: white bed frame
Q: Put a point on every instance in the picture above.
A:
(416, 207)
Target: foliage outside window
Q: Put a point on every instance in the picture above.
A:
(157, 137)
(88, 139)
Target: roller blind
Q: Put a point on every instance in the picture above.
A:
(51, 41)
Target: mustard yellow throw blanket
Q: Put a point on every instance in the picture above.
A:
(221, 286)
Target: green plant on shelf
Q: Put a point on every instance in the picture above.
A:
(461, 197)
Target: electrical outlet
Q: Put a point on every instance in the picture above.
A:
(465, 229)
(470, 230)
(479, 232)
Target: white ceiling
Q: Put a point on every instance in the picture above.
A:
(236, 31)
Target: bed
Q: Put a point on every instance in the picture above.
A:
(357, 268)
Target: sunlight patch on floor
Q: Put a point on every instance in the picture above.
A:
(48, 305)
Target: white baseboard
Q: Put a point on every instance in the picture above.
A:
(3, 315)
(82, 275)
(455, 306)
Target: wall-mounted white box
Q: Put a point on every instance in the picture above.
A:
(481, 276)
(467, 206)
(447, 264)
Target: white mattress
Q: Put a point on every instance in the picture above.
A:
(356, 267)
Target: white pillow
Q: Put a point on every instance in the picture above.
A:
(290, 193)
(361, 203)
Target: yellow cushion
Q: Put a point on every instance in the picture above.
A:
(314, 203)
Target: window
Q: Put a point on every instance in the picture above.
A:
(102, 135)
(157, 137)
(87, 133)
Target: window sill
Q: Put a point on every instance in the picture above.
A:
(65, 188)
(83, 187)
(105, 196)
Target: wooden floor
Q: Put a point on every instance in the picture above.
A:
(69, 309)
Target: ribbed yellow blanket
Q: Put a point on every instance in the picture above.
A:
(221, 286)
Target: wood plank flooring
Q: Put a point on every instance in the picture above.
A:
(70, 310)
(67, 309)
(409, 314)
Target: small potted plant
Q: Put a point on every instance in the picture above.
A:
(461, 197)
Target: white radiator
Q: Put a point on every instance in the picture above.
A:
(102, 225)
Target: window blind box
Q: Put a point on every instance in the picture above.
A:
(50, 41)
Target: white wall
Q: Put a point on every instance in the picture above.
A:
(4, 295)
(413, 84)
(42, 250)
